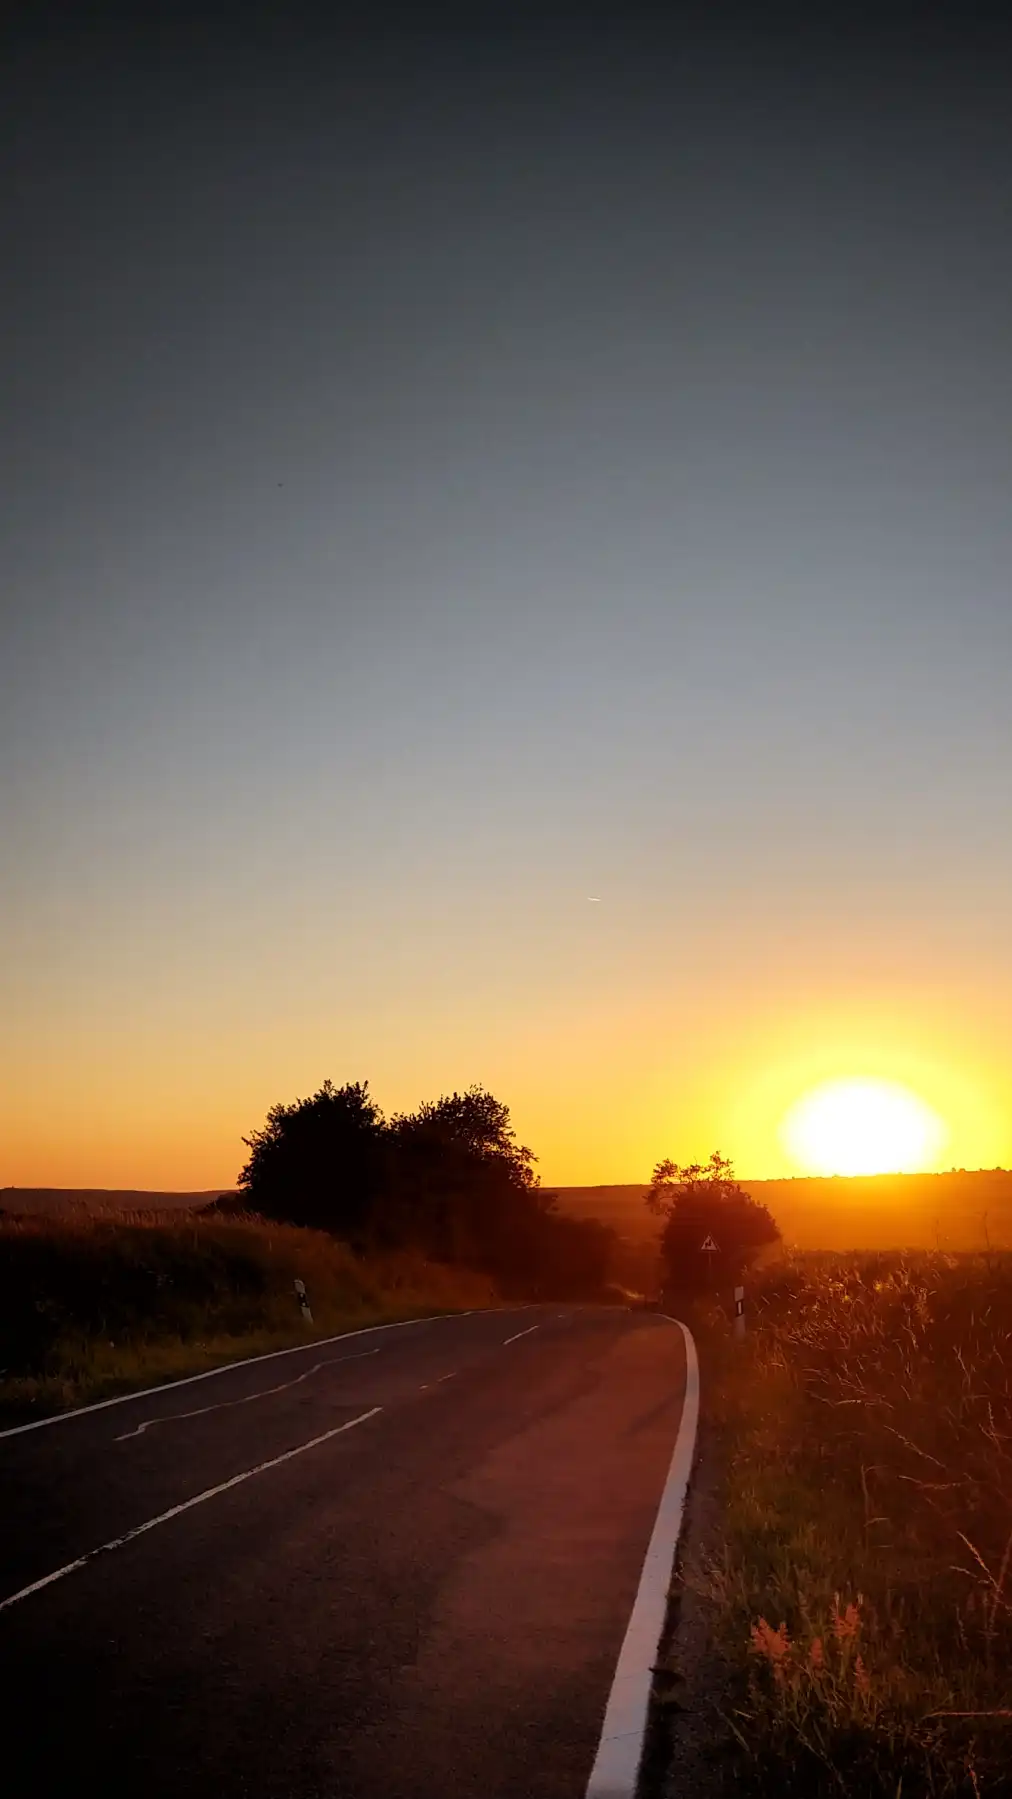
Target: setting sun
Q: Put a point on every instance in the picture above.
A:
(863, 1127)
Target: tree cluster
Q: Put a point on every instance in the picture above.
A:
(449, 1179)
(712, 1228)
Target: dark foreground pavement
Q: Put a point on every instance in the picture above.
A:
(426, 1606)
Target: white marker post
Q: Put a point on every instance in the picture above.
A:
(303, 1299)
(739, 1314)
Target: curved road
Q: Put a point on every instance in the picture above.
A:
(398, 1564)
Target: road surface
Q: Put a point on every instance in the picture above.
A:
(396, 1566)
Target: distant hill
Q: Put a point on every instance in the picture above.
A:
(959, 1210)
(99, 1199)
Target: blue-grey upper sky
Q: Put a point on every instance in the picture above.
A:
(463, 465)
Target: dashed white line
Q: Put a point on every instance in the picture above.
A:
(187, 1505)
(187, 1380)
(519, 1334)
(264, 1393)
(438, 1381)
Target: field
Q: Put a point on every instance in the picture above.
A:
(94, 1202)
(91, 1305)
(962, 1210)
(857, 1576)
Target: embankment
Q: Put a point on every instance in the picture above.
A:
(93, 1306)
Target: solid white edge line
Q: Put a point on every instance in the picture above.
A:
(269, 1355)
(620, 1750)
(174, 1510)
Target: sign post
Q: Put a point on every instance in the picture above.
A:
(709, 1249)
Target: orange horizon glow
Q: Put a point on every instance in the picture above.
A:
(600, 1092)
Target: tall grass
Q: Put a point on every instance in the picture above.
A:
(862, 1590)
(92, 1305)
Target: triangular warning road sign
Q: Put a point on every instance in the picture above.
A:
(709, 1244)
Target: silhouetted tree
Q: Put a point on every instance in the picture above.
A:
(462, 1187)
(450, 1179)
(700, 1202)
(319, 1161)
(478, 1122)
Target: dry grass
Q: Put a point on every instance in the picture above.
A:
(863, 1588)
(91, 1306)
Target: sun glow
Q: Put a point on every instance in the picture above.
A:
(862, 1127)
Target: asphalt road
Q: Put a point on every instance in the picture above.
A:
(426, 1604)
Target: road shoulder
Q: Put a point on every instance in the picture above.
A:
(690, 1747)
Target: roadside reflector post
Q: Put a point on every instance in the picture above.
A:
(739, 1313)
(303, 1299)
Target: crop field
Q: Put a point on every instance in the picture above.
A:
(858, 1581)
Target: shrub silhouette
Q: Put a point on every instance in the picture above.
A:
(703, 1203)
(319, 1161)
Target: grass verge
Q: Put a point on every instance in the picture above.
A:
(859, 1582)
(95, 1306)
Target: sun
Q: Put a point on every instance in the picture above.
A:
(862, 1127)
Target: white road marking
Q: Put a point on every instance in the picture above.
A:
(617, 1764)
(187, 1504)
(264, 1393)
(519, 1334)
(269, 1355)
(449, 1376)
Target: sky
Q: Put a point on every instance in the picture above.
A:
(505, 576)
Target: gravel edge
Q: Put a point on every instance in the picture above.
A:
(689, 1749)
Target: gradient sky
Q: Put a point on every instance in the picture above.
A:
(455, 471)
